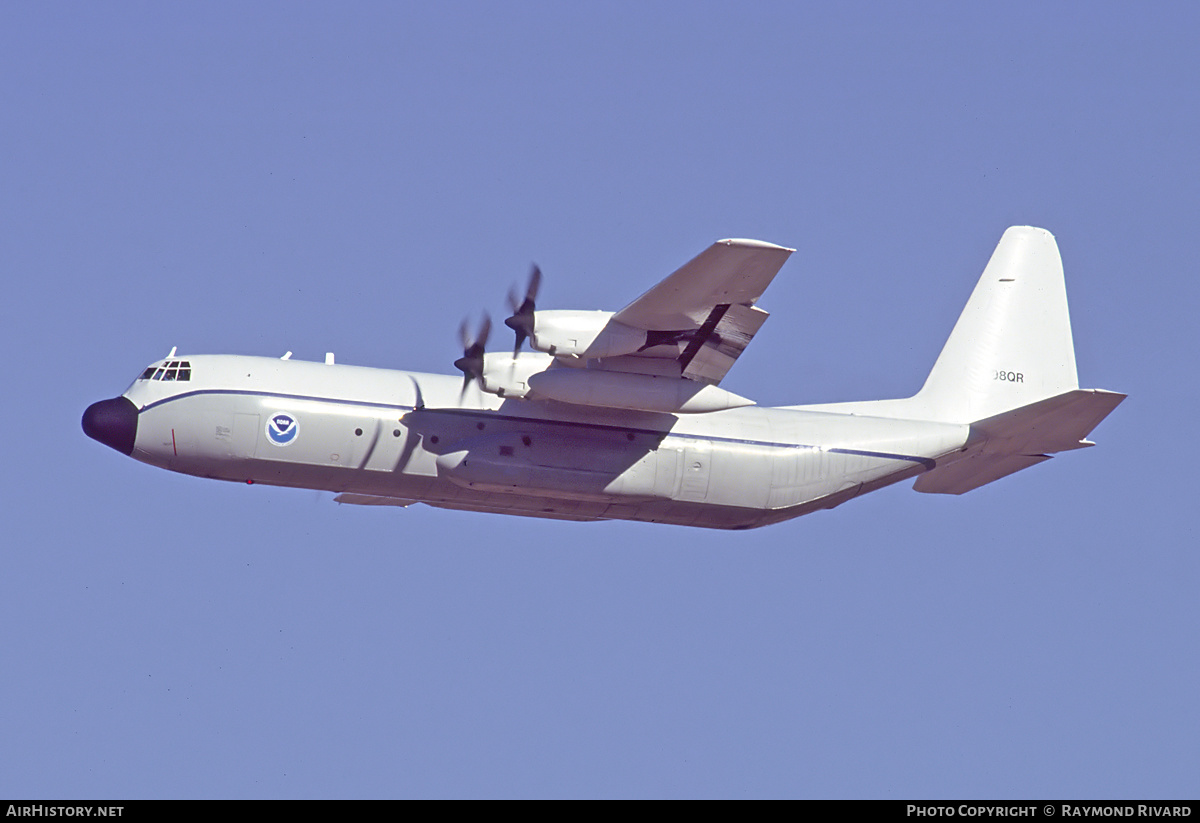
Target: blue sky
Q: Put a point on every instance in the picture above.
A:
(254, 179)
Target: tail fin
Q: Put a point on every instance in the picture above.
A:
(1008, 370)
(1010, 347)
(1012, 344)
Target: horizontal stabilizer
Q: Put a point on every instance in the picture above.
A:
(973, 471)
(1018, 439)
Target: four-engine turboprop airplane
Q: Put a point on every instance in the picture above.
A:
(620, 416)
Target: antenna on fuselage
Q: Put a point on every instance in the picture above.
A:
(171, 353)
(328, 358)
(287, 356)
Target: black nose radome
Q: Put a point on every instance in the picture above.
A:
(113, 423)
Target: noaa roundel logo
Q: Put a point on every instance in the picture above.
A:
(282, 429)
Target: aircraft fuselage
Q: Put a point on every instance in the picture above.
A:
(378, 436)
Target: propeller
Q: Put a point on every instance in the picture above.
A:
(471, 363)
(521, 320)
(410, 424)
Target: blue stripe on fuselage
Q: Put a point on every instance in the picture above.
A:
(493, 415)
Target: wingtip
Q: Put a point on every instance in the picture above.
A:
(752, 244)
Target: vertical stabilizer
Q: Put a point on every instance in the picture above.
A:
(1010, 347)
(1012, 344)
(1008, 370)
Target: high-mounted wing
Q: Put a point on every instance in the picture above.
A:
(703, 315)
(664, 352)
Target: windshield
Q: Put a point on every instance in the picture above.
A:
(168, 370)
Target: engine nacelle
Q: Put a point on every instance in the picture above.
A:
(537, 376)
(508, 376)
(642, 392)
(583, 334)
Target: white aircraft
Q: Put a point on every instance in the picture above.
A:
(620, 416)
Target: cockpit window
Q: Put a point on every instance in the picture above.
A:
(171, 370)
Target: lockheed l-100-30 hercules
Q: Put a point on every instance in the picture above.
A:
(621, 415)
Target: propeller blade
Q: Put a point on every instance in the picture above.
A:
(535, 283)
(517, 327)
